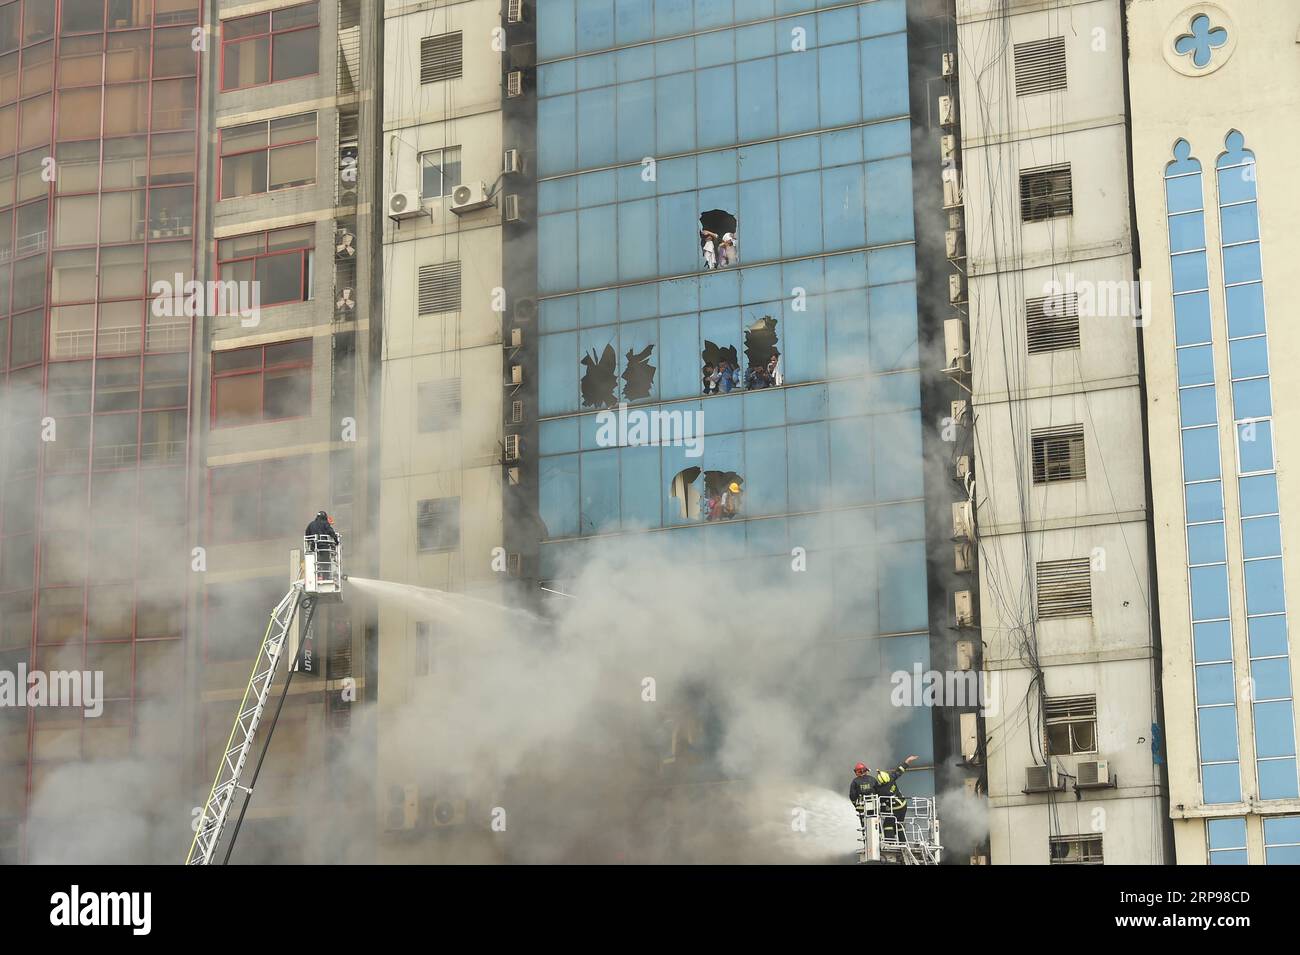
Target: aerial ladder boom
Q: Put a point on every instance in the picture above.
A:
(322, 579)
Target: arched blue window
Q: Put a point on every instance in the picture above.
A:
(1215, 685)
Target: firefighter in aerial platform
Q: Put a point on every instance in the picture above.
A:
(321, 526)
(893, 804)
(860, 788)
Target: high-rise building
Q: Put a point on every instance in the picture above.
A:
(1216, 201)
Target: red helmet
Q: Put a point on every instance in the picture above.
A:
(859, 769)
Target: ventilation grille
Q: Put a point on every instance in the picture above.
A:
(440, 57)
(1065, 708)
(1040, 66)
(1052, 323)
(440, 288)
(1046, 193)
(437, 524)
(1058, 454)
(1065, 588)
(439, 405)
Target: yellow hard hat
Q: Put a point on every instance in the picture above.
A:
(735, 488)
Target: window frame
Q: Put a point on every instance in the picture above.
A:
(306, 262)
(1081, 840)
(222, 155)
(442, 170)
(1070, 720)
(1069, 434)
(440, 547)
(270, 36)
(260, 371)
(260, 482)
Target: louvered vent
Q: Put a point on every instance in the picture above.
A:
(440, 57)
(1065, 588)
(1052, 323)
(439, 405)
(440, 288)
(1058, 454)
(1046, 193)
(1040, 66)
(437, 524)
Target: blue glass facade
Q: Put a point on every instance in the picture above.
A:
(793, 119)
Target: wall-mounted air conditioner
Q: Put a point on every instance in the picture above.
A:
(963, 520)
(959, 410)
(512, 162)
(1094, 774)
(510, 209)
(404, 205)
(955, 350)
(403, 808)
(954, 244)
(1043, 779)
(516, 338)
(947, 111)
(516, 12)
(470, 197)
(956, 290)
(963, 557)
(445, 813)
(965, 654)
(968, 724)
(512, 474)
(513, 446)
(515, 83)
(516, 374)
(514, 564)
(963, 606)
(949, 64)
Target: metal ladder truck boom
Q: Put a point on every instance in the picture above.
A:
(885, 839)
(321, 579)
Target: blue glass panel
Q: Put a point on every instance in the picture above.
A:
(895, 392)
(636, 134)
(1264, 592)
(1255, 446)
(676, 122)
(1189, 272)
(1196, 405)
(1221, 783)
(557, 436)
(1248, 357)
(843, 146)
(884, 76)
(713, 14)
(595, 24)
(1261, 537)
(799, 154)
(724, 413)
(1209, 587)
(1183, 194)
(808, 464)
(558, 314)
(556, 78)
(636, 259)
(806, 404)
(1241, 263)
(597, 246)
(1228, 857)
(807, 275)
(761, 284)
(1239, 223)
(1267, 636)
(679, 231)
(1251, 399)
(1274, 729)
(883, 16)
(756, 41)
(1214, 684)
(674, 17)
(898, 522)
(892, 310)
(882, 140)
(715, 104)
(676, 175)
(595, 120)
(1218, 733)
(901, 569)
(1245, 310)
(764, 470)
(796, 91)
(891, 265)
(557, 195)
(1205, 544)
(1237, 185)
(1187, 232)
(557, 260)
(764, 408)
(897, 442)
(555, 30)
(600, 490)
(889, 201)
(1205, 501)
(1282, 830)
(1200, 454)
(716, 169)
(558, 494)
(1192, 318)
(720, 288)
(1282, 855)
(632, 22)
(805, 342)
(1226, 833)
(1195, 365)
(838, 83)
(558, 360)
(597, 188)
(1258, 495)
(1272, 678)
(1213, 641)
(1277, 780)
(679, 295)
(843, 211)
(557, 139)
(845, 272)
(642, 487)
(760, 220)
(836, 25)
(596, 71)
(851, 461)
(714, 49)
(801, 214)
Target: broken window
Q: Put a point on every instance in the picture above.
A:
(761, 355)
(718, 238)
(719, 497)
(721, 369)
(600, 380)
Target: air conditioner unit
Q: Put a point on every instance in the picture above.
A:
(470, 197)
(512, 447)
(516, 338)
(515, 11)
(947, 147)
(515, 83)
(525, 310)
(959, 409)
(404, 205)
(972, 786)
(963, 554)
(1043, 779)
(444, 813)
(954, 341)
(962, 467)
(947, 111)
(512, 474)
(979, 860)
(951, 189)
(963, 520)
(516, 374)
(949, 64)
(963, 604)
(1094, 774)
(968, 724)
(954, 244)
(514, 564)
(517, 412)
(965, 654)
(512, 162)
(956, 288)
(510, 209)
(403, 808)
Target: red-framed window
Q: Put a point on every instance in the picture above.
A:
(280, 261)
(262, 383)
(255, 501)
(268, 155)
(269, 47)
